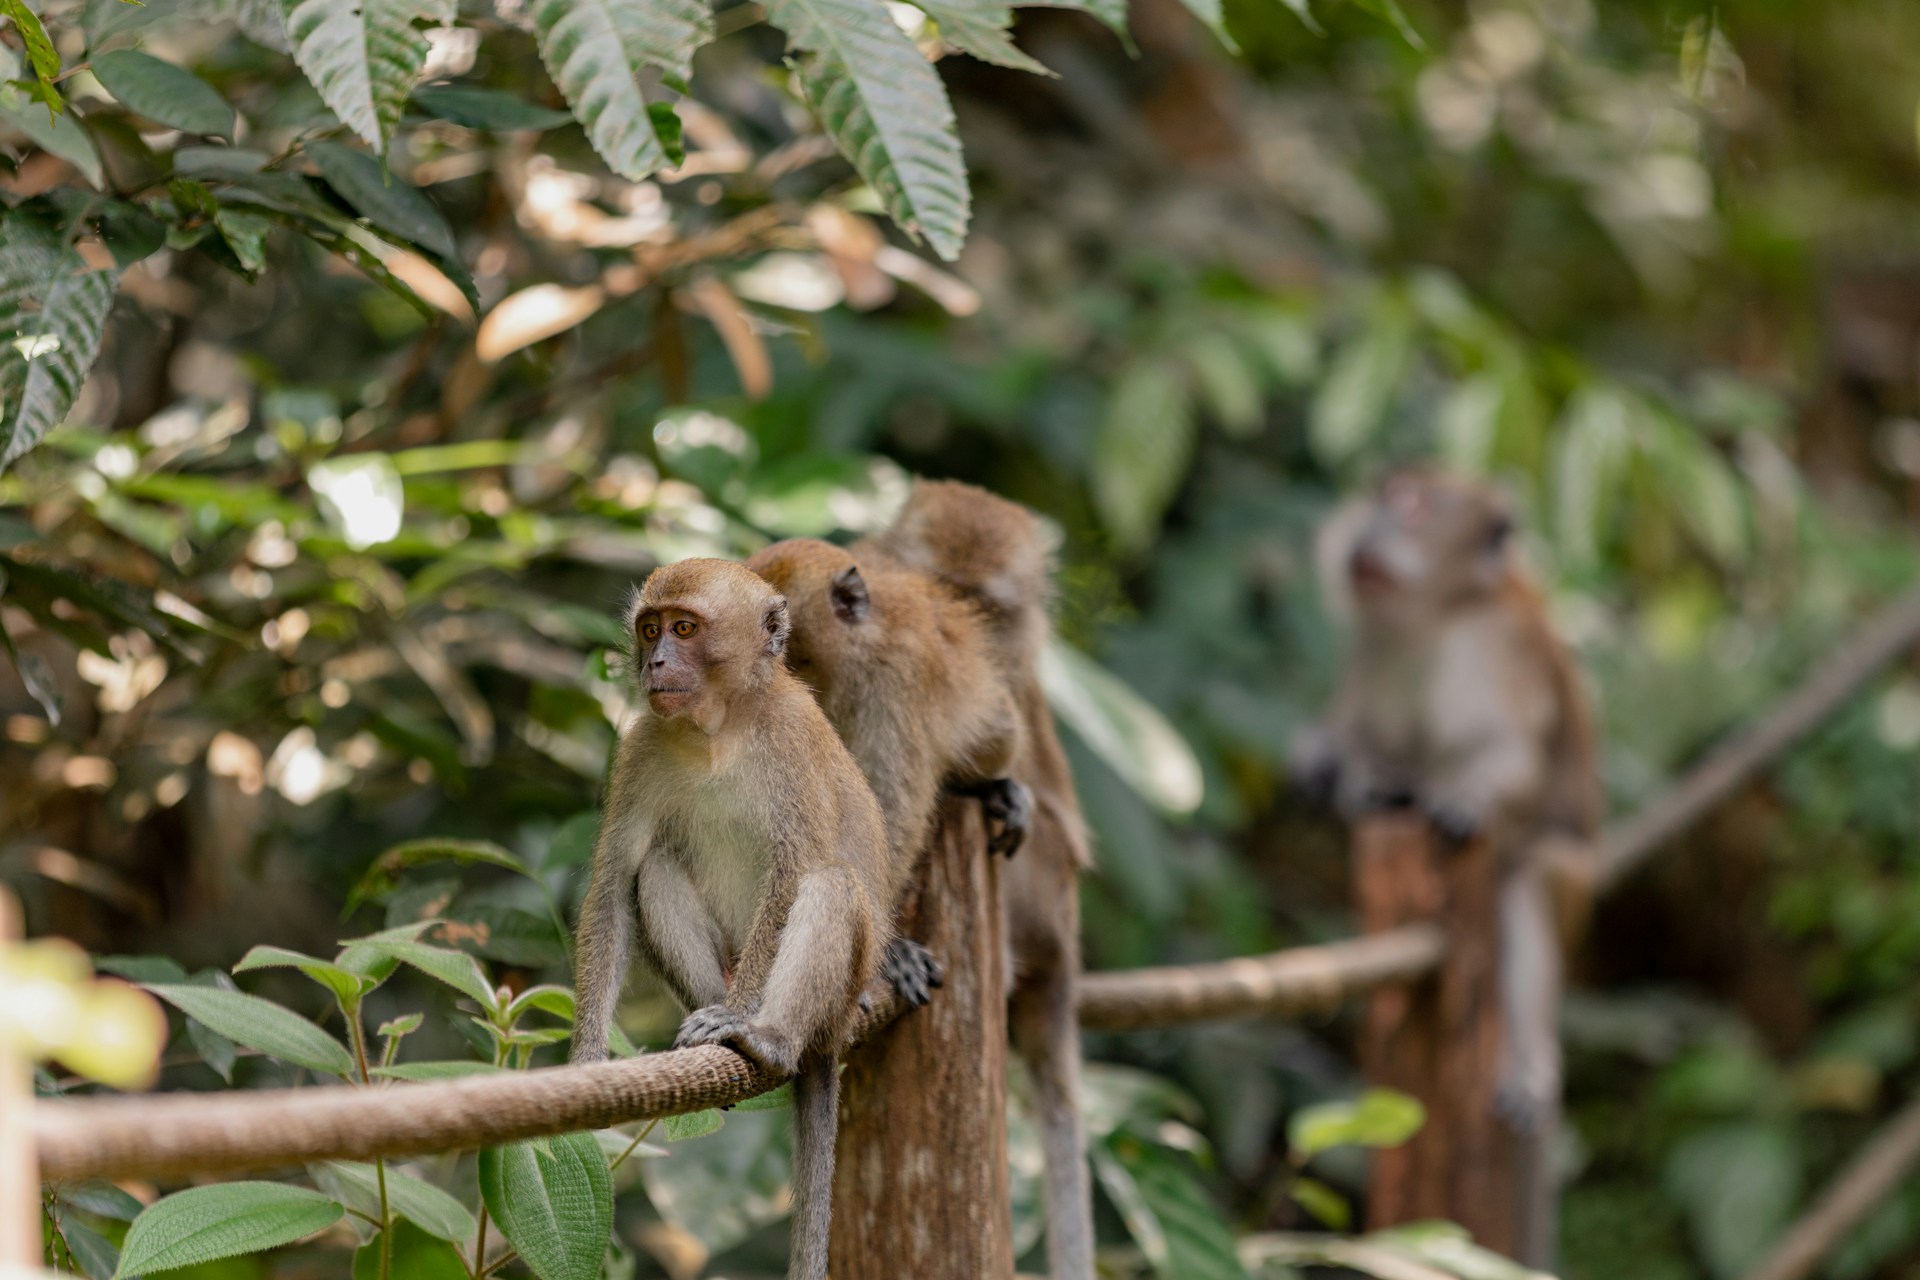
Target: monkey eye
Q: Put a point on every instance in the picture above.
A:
(650, 630)
(682, 628)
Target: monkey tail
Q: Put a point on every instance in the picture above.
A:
(816, 1119)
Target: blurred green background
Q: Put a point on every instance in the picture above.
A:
(310, 571)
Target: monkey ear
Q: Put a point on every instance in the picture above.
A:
(778, 626)
(1499, 531)
(851, 602)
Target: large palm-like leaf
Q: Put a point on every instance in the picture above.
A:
(595, 51)
(362, 55)
(52, 309)
(885, 108)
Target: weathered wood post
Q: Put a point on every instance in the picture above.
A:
(1439, 1039)
(920, 1185)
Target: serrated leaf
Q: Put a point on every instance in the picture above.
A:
(222, 1221)
(385, 199)
(418, 1201)
(346, 986)
(52, 312)
(362, 55)
(259, 1024)
(455, 968)
(595, 51)
(553, 1200)
(979, 28)
(162, 92)
(695, 1124)
(492, 109)
(885, 108)
(41, 54)
(1140, 456)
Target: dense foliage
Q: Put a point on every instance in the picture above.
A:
(410, 356)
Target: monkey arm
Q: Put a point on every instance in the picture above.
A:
(1530, 980)
(600, 966)
(679, 935)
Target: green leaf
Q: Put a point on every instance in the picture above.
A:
(52, 311)
(1378, 1118)
(246, 235)
(416, 1256)
(362, 55)
(347, 987)
(455, 968)
(131, 234)
(35, 676)
(979, 27)
(1323, 1202)
(772, 1100)
(695, 1124)
(1166, 1210)
(102, 1199)
(1738, 1184)
(44, 58)
(381, 878)
(259, 1024)
(1141, 454)
(63, 136)
(404, 1025)
(454, 1070)
(164, 93)
(1593, 444)
(595, 51)
(885, 108)
(1227, 381)
(222, 1221)
(1123, 729)
(1361, 384)
(572, 842)
(1391, 11)
(1214, 19)
(96, 1254)
(553, 1200)
(492, 109)
(386, 200)
(420, 1202)
(547, 998)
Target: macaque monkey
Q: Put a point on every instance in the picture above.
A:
(742, 854)
(1459, 698)
(904, 670)
(999, 555)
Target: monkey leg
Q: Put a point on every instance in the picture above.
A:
(600, 968)
(1528, 1097)
(911, 971)
(810, 985)
(678, 933)
(1046, 1034)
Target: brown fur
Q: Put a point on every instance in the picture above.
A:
(742, 853)
(998, 555)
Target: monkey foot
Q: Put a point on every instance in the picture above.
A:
(1008, 806)
(1524, 1109)
(1452, 823)
(718, 1024)
(911, 971)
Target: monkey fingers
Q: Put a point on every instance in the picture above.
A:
(722, 1025)
(1008, 806)
(911, 971)
(1454, 823)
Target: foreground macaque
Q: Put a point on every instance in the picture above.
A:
(999, 555)
(1458, 698)
(904, 670)
(744, 856)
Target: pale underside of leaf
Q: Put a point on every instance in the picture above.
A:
(595, 51)
(49, 349)
(885, 108)
(979, 28)
(363, 58)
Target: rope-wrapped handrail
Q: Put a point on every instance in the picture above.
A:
(172, 1134)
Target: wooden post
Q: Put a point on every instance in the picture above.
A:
(1439, 1039)
(19, 1168)
(920, 1183)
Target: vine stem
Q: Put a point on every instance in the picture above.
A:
(359, 1034)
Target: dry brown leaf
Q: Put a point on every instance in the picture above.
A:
(533, 314)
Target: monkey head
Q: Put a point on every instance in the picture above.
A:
(703, 630)
(830, 600)
(995, 551)
(1422, 543)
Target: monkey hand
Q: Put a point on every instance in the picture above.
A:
(1008, 806)
(1525, 1106)
(722, 1025)
(1313, 767)
(911, 971)
(1453, 821)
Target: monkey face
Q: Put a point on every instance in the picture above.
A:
(1427, 541)
(701, 630)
